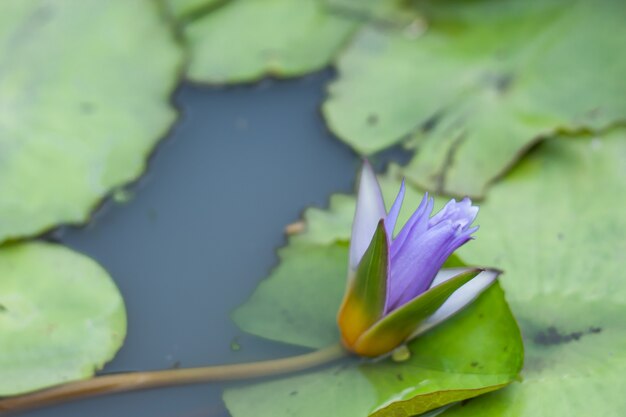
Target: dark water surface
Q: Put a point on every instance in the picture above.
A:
(202, 229)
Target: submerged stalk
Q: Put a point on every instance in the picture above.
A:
(132, 381)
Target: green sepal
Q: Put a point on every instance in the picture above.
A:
(398, 326)
(364, 302)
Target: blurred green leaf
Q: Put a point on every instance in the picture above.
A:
(557, 226)
(298, 304)
(244, 40)
(184, 10)
(84, 90)
(486, 81)
(61, 317)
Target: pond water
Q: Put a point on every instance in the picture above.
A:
(201, 230)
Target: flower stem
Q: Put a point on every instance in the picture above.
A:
(109, 384)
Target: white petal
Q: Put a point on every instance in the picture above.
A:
(370, 208)
(445, 274)
(460, 298)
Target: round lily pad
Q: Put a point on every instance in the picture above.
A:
(61, 317)
(84, 93)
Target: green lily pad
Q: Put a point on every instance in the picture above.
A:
(284, 307)
(84, 90)
(485, 82)
(556, 225)
(184, 10)
(245, 40)
(326, 226)
(477, 351)
(61, 317)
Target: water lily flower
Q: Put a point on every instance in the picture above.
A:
(397, 288)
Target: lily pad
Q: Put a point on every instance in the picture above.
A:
(184, 10)
(84, 90)
(273, 312)
(247, 39)
(486, 81)
(556, 225)
(477, 351)
(244, 40)
(61, 317)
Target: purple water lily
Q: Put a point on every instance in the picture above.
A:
(391, 277)
(422, 246)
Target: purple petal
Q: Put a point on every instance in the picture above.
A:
(462, 213)
(417, 223)
(423, 245)
(370, 208)
(416, 263)
(392, 217)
